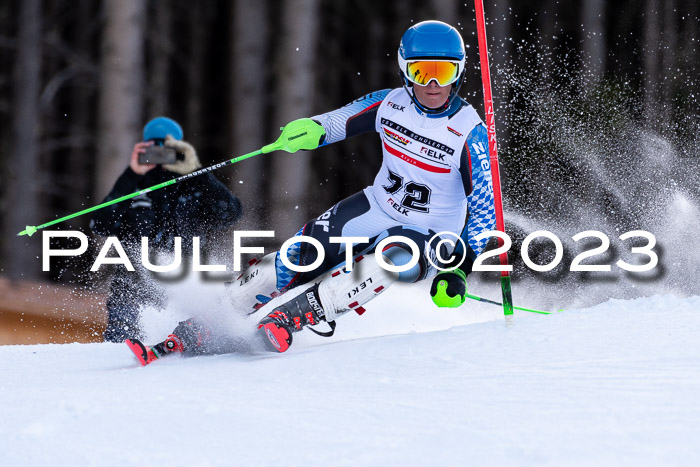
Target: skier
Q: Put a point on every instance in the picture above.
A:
(435, 174)
(193, 208)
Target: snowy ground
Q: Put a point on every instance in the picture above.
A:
(614, 384)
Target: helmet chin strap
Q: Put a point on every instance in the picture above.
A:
(443, 108)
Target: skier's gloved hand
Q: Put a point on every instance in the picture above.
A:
(298, 134)
(449, 289)
(190, 160)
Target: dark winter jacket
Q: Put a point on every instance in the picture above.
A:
(187, 209)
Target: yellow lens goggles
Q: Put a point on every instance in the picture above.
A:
(423, 72)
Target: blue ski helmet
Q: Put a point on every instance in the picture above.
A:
(432, 41)
(160, 127)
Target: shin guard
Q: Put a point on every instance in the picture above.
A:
(341, 291)
(254, 286)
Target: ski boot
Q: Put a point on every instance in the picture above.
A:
(188, 337)
(276, 329)
(147, 354)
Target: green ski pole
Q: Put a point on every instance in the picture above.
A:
(288, 141)
(492, 302)
(30, 230)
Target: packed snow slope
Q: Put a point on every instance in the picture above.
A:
(615, 384)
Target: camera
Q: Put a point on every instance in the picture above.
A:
(158, 155)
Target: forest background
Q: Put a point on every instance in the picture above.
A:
(79, 78)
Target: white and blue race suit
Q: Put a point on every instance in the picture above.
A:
(435, 177)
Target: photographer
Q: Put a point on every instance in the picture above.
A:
(192, 208)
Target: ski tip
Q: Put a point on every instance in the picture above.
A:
(275, 337)
(144, 354)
